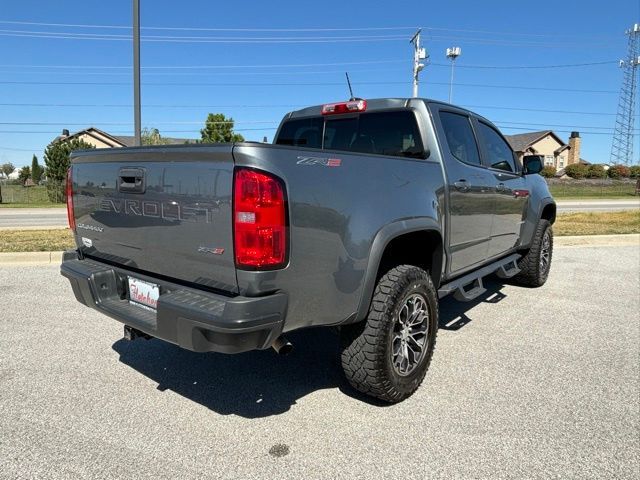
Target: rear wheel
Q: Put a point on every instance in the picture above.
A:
(536, 263)
(387, 355)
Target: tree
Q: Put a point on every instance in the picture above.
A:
(25, 173)
(56, 158)
(151, 136)
(36, 170)
(7, 169)
(219, 129)
(635, 171)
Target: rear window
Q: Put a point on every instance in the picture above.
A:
(382, 133)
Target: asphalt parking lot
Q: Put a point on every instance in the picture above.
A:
(525, 383)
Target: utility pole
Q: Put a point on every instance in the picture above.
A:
(452, 54)
(418, 54)
(624, 132)
(136, 73)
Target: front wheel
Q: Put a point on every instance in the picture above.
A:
(387, 355)
(536, 263)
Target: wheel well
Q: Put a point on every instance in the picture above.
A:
(549, 213)
(422, 248)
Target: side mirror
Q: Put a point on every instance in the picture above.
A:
(533, 164)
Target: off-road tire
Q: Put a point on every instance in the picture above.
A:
(366, 347)
(532, 273)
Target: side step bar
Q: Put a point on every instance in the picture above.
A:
(508, 270)
(464, 295)
(470, 286)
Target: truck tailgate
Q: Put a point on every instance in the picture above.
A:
(163, 211)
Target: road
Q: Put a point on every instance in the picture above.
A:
(569, 206)
(24, 218)
(524, 383)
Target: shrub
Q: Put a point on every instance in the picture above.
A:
(635, 171)
(576, 170)
(548, 172)
(596, 171)
(619, 171)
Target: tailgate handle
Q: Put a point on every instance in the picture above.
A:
(131, 180)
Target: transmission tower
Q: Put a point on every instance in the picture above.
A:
(623, 135)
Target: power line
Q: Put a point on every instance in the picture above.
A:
(511, 43)
(598, 127)
(157, 105)
(303, 39)
(199, 67)
(283, 105)
(269, 122)
(275, 122)
(315, 84)
(128, 27)
(522, 67)
(184, 39)
(506, 127)
(494, 107)
(311, 29)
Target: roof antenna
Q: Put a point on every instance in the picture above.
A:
(350, 89)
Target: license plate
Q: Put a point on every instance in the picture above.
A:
(143, 294)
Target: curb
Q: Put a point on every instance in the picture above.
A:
(626, 240)
(632, 239)
(32, 227)
(30, 258)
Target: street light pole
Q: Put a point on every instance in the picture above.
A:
(452, 54)
(136, 73)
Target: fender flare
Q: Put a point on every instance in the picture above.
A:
(384, 236)
(543, 204)
(531, 223)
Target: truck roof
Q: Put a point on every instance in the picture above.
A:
(372, 105)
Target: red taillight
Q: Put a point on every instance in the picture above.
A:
(344, 107)
(259, 220)
(69, 195)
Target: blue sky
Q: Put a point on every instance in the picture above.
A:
(56, 77)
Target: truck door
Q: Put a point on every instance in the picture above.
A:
(470, 191)
(510, 191)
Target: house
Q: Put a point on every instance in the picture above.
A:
(556, 153)
(101, 139)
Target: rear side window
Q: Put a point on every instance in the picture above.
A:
(500, 154)
(382, 133)
(306, 132)
(460, 138)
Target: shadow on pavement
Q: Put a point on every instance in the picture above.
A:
(263, 383)
(253, 384)
(453, 314)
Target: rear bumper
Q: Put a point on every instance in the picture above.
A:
(193, 319)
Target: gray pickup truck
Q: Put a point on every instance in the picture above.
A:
(360, 216)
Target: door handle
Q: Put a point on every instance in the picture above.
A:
(500, 187)
(131, 180)
(462, 185)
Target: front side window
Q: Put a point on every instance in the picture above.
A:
(382, 133)
(500, 154)
(460, 138)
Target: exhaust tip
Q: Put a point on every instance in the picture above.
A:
(132, 334)
(282, 346)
